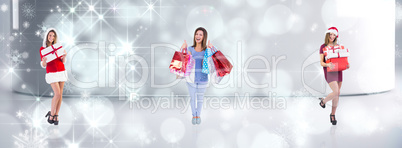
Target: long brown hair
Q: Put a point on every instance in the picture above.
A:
(327, 39)
(204, 40)
(54, 40)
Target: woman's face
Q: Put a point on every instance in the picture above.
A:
(332, 37)
(50, 37)
(199, 36)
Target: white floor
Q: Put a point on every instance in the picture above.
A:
(363, 121)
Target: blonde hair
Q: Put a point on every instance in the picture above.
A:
(327, 39)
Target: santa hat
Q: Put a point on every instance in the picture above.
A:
(45, 36)
(333, 30)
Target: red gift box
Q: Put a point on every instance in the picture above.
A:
(340, 64)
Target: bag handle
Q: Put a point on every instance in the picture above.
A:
(213, 49)
(184, 50)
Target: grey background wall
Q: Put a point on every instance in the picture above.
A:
(135, 28)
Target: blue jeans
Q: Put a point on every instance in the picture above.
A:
(196, 91)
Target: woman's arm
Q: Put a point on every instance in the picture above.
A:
(184, 45)
(43, 62)
(42, 59)
(63, 58)
(209, 44)
(323, 64)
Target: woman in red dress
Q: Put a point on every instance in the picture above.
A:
(334, 79)
(56, 75)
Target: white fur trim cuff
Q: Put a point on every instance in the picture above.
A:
(41, 64)
(332, 31)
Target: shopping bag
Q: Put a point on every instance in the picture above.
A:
(211, 68)
(180, 63)
(205, 64)
(222, 64)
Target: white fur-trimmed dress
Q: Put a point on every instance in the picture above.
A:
(55, 70)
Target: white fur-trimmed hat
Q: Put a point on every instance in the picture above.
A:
(333, 30)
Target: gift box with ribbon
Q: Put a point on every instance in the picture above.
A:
(53, 52)
(338, 56)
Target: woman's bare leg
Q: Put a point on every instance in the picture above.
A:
(336, 100)
(56, 98)
(61, 86)
(335, 92)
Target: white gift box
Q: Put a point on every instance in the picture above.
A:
(53, 52)
(337, 51)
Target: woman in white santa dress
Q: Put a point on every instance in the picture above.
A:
(56, 75)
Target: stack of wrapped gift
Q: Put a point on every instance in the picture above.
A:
(338, 56)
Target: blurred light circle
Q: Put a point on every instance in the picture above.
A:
(98, 112)
(277, 20)
(238, 29)
(284, 83)
(112, 47)
(50, 21)
(127, 14)
(207, 17)
(331, 16)
(298, 24)
(256, 3)
(247, 134)
(266, 139)
(172, 130)
(81, 66)
(66, 117)
(210, 138)
(233, 3)
(13, 130)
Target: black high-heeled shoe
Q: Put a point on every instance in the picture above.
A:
(55, 120)
(332, 121)
(322, 104)
(48, 115)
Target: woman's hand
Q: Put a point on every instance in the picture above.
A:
(184, 45)
(348, 66)
(178, 77)
(63, 58)
(209, 44)
(330, 65)
(44, 61)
